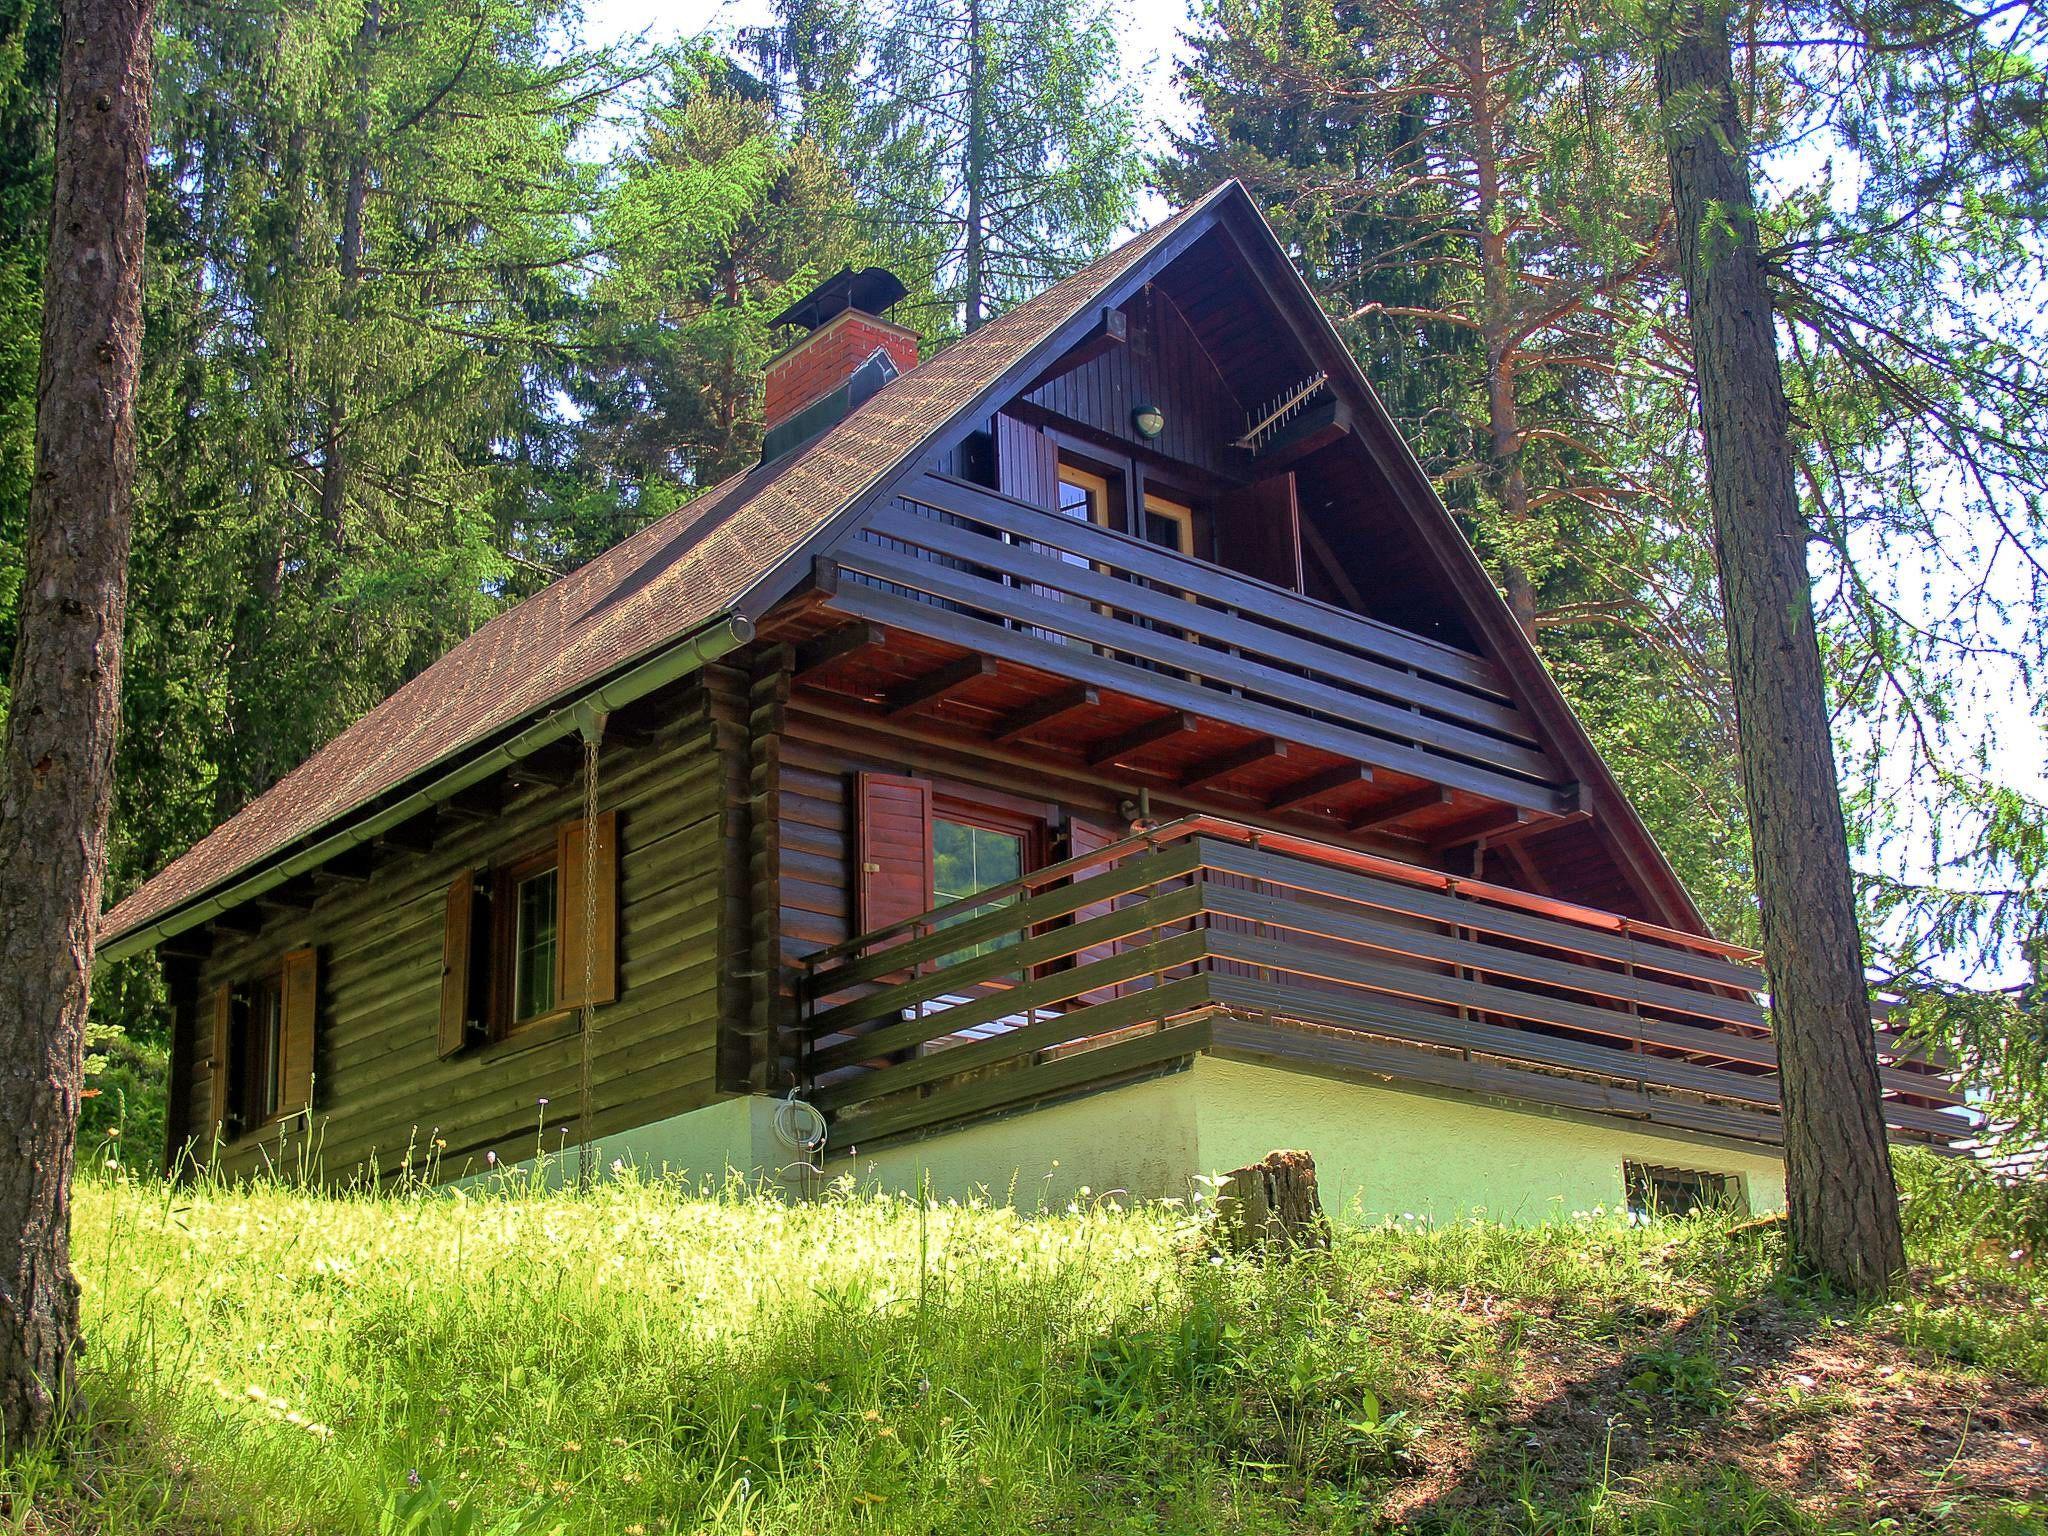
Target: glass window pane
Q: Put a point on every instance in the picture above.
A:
(533, 969)
(967, 860)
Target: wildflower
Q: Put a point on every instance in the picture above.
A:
(872, 1414)
(412, 1478)
(490, 1159)
(543, 1103)
(887, 1432)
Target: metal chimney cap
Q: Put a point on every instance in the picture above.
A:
(871, 290)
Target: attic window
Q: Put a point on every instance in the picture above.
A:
(1658, 1191)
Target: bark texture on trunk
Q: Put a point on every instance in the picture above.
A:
(56, 778)
(1844, 1206)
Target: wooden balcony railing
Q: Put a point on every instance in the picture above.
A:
(1013, 582)
(1210, 936)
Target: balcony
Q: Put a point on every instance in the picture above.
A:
(1012, 624)
(1209, 936)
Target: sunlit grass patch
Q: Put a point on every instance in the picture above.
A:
(648, 1357)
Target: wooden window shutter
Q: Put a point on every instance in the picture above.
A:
(894, 881)
(217, 1059)
(458, 937)
(603, 947)
(1027, 463)
(301, 1002)
(1085, 837)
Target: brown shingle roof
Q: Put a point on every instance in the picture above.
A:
(663, 583)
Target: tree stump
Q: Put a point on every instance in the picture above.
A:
(1271, 1206)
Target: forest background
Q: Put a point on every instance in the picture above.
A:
(446, 296)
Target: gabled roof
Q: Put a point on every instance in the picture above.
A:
(656, 588)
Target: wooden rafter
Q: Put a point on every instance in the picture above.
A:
(835, 646)
(939, 684)
(1128, 744)
(1265, 750)
(1400, 808)
(1319, 786)
(1044, 712)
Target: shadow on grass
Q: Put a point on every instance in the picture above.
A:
(1664, 1404)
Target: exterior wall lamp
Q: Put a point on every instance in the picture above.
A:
(1149, 420)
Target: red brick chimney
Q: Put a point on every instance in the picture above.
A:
(844, 318)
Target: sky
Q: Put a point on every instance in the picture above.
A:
(1150, 32)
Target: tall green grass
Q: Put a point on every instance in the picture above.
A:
(646, 1357)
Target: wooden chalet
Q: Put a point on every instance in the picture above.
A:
(1093, 746)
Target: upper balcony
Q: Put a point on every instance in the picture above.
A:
(1209, 936)
(1012, 624)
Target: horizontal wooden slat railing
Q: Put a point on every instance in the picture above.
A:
(1024, 585)
(1208, 935)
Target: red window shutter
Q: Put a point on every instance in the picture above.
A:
(458, 935)
(603, 947)
(894, 880)
(301, 1001)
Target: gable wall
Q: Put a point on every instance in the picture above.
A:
(1160, 364)
(379, 1085)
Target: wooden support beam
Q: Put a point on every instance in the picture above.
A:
(1401, 807)
(1108, 332)
(1265, 750)
(835, 646)
(1130, 743)
(414, 836)
(555, 766)
(351, 866)
(479, 802)
(295, 895)
(1485, 825)
(937, 685)
(243, 920)
(1319, 786)
(1053, 707)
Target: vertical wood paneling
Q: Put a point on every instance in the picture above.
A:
(1160, 364)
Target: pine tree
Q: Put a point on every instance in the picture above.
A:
(989, 141)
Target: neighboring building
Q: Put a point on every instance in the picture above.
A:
(954, 636)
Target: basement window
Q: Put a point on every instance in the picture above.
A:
(1653, 1191)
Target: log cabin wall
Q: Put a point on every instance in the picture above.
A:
(381, 1091)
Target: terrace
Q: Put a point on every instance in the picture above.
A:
(1205, 935)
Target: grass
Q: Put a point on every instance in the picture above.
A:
(647, 1358)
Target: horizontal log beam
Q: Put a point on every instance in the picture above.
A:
(835, 646)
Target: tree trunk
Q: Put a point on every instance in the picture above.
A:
(975, 258)
(56, 766)
(1503, 414)
(334, 438)
(1843, 1204)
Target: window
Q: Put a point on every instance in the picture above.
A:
(261, 1053)
(1169, 524)
(514, 948)
(968, 859)
(261, 1061)
(1084, 496)
(1655, 1191)
(533, 947)
(525, 901)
